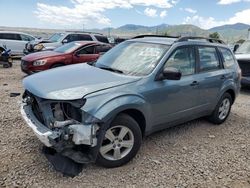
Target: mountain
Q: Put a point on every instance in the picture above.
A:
(233, 32)
(229, 33)
(237, 26)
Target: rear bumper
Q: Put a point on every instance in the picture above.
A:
(44, 134)
(245, 81)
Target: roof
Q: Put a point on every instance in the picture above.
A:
(181, 40)
(157, 40)
(15, 32)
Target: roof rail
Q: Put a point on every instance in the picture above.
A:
(89, 32)
(211, 40)
(163, 36)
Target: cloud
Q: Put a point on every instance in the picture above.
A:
(92, 11)
(190, 10)
(207, 23)
(228, 2)
(150, 12)
(163, 14)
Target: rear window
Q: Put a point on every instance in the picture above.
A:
(208, 59)
(102, 38)
(10, 36)
(228, 59)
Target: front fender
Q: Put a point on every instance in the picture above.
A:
(108, 106)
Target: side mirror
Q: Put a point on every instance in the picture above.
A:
(76, 54)
(170, 73)
(65, 41)
(236, 46)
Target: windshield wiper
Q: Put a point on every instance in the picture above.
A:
(112, 69)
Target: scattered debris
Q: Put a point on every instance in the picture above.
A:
(14, 94)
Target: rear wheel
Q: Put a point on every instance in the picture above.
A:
(222, 109)
(121, 143)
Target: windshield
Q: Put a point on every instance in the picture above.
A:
(56, 37)
(67, 48)
(244, 48)
(133, 58)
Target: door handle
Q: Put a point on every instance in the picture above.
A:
(223, 77)
(194, 83)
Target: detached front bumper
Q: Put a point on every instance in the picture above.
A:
(44, 134)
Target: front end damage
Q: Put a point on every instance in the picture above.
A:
(63, 127)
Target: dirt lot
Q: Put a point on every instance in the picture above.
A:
(196, 154)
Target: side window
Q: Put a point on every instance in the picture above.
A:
(86, 50)
(26, 38)
(102, 48)
(228, 59)
(84, 37)
(208, 58)
(10, 36)
(102, 39)
(183, 59)
(71, 38)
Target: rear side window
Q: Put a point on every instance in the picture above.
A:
(183, 59)
(10, 36)
(102, 39)
(228, 59)
(208, 58)
(102, 48)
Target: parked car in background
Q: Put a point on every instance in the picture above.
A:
(71, 53)
(100, 112)
(59, 39)
(15, 41)
(243, 57)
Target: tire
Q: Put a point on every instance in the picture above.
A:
(108, 155)
(217, 117)
(57, 65)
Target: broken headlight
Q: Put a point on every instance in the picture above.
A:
(88, 119)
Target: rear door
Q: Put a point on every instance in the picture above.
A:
(212, 75)
(85, 54)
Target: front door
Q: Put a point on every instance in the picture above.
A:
(174, 100)
(86, 54)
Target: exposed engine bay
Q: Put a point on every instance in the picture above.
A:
(63, 126)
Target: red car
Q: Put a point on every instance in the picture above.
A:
(71, 53)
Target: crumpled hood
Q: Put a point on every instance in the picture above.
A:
(73, 82)
(242, 56)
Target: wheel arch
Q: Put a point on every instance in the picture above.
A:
(138, 116)
(232, 93)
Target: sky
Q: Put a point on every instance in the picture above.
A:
(88, 14)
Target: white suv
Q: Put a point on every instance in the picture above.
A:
(59, 39)
(15, 41)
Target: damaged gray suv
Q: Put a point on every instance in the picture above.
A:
(100, 112)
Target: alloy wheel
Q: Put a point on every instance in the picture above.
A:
(224, 108)
(118, 142)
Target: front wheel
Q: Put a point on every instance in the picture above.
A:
(121, 142)
(222, 109)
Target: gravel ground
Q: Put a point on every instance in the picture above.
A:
(196, 154)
